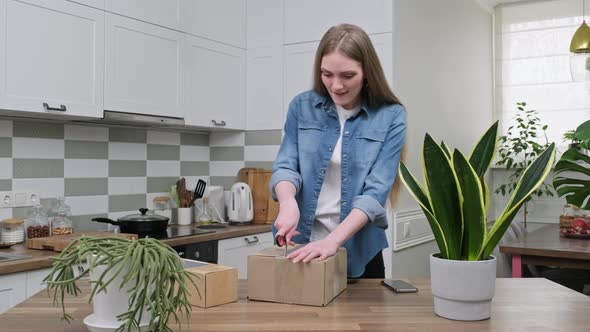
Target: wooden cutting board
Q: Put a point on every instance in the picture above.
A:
(60, 242)
(265, 208)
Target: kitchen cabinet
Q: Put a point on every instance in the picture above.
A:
(161, 12)
(51, 58)
(100, 4)
(215, 88)
(143, 69)
(264, 23)
(13, 290)
(264, 89)
(234, 252)
(35, 281)
(219, 20)
(308, 20)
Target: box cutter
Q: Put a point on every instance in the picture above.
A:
(280, 241)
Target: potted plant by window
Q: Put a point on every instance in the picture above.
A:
(455, 200)
(572, 171)
(137, 285)
(524, 141)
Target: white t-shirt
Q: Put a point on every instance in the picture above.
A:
(327, 213)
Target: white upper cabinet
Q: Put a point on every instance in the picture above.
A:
(51, 57)
(215, 86)
(264, 88)
(220, 20)
(298, 69)
(143, 70)
(307, 20)
(100, 4)
(161, 12)
(264, 23)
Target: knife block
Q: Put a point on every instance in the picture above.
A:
(265, 208)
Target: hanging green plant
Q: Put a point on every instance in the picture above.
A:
(517, 150)
(152, 273)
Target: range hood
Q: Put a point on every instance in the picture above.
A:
(137, 120)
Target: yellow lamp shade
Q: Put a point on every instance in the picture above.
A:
(581, 40)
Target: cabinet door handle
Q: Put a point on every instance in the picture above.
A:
(254, 240)
(61, 108)
(220, 123)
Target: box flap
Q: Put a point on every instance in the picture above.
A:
(276, 251)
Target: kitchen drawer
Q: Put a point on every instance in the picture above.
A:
(234, 252)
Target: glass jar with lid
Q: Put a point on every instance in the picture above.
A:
(12, 230)
(37, 223)
(61, 223)
(162, 206)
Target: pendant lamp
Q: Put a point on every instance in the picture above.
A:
(580, 47)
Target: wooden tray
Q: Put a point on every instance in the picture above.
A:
(60, 242)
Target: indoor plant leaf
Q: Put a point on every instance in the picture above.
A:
(530, 180)
(444, 194)
(583, 134)
(473, 207)
(422, 198)
(483, 152)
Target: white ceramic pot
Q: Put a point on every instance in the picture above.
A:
(463, 290)
(108, 305)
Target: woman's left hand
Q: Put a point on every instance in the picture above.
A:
(321, 248)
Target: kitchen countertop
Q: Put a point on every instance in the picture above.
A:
(42, 258)
(529, 304)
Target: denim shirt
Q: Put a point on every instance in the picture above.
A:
(371, 147)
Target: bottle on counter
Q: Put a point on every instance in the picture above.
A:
(205, 215)
(60, 222)
(37, 223)
(12, 230)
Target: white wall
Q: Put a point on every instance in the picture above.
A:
(442, 72)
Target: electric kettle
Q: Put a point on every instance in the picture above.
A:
(240, 208)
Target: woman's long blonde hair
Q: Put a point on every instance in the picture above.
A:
(354, 43)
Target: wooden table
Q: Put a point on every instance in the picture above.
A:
(546, 247)
(527, 304)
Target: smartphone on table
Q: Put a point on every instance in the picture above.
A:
(399, 286)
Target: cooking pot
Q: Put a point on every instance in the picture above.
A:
(139, 223)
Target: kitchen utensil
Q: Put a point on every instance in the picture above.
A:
(199, 191)
(240, 209)
(141, 224)
(184, 196)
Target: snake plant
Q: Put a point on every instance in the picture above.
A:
(572, 171)
(143, 264)
(455, 198)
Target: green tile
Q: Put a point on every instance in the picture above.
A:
(86, 187)
(128, 135)
(5, 147)
(225, 181)
(259, 164)
(226, 153)
(194, 139)
(86, 150)
(120, 203)
(163, 152)
(194, 168)
(84, 223)
(37, 168)
(6, 185)
(160, 184)
(37, 129)
(263, 137)
(127, 168)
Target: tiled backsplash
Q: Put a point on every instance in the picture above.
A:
(113, 171)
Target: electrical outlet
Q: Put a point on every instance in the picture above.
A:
(10, 199)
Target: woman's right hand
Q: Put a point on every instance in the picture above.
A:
(287, 220)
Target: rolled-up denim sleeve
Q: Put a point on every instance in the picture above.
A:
(286, 165)
(383, 173)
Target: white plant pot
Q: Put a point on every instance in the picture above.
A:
(463, 290)
(115, 301)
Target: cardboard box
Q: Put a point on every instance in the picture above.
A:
(217, 284)
(272, 277)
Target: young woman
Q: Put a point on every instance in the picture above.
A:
(339, 156)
